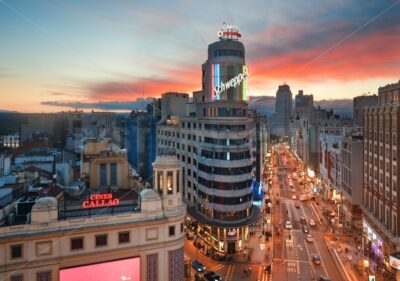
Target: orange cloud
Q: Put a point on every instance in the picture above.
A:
(375, 55)
(182, 80)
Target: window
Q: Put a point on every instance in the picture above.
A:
(177, 181)
(160, 181)
(113, 174)
(182, 222)
(103, 174)
(17, 278)
(44, 276)
(171, 230)
(16, 251)
(101, 240)
(77, 243)
(123, 237)
(169, 182)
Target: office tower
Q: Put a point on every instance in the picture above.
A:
(283, 109)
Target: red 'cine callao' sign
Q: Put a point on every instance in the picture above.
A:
(100, 200)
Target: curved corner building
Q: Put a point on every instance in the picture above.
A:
(216, 144)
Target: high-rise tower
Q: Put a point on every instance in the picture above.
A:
(216, 146)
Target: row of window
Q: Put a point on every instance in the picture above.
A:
(224, 112)
(225, 200)
(225, 171)
(77, 243)
(384, 214)
(224, 127)
(228, 52)
(40, 276)
(226, 141)
(224, 216)
(230, 156)
(225, 185)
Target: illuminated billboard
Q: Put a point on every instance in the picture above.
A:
(119, 270)
(219, 86)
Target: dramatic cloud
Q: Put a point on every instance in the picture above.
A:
(139, 104)
(364, 57)
(183, 80)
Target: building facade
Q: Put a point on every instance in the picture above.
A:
(359, 104)
(352, 184)
(381, 169)
(120, 234)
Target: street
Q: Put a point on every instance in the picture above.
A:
(292, 255)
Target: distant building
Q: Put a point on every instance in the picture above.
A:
(104, 166)
(5, 164)
(11, 141)
(283, 109)
(303, 105)
(381, 198)
(352, 180)
(140, 141)
(359, 104)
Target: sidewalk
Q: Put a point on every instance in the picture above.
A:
(345, 247)
(254, 253)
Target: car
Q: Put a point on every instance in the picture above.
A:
(198, 266)
(288, 225)
(305, 229)
(219, 257)
(292, 189)
(316, 260)
(309, 238)
(312, 222)
(324, 278)
(294, 197)
(303, 220)
(212, 276)
(297, 205)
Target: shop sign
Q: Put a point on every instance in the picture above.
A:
(232, 232)
(394, 262)
(100, 200)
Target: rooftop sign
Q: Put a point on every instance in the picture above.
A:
(229, 31)
(100, 200)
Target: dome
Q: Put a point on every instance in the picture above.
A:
(45, 202)
(149, 194)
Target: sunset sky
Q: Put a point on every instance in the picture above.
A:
(55, 53)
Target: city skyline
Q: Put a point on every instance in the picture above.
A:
(61, 53)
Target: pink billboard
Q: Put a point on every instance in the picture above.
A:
(119, 270)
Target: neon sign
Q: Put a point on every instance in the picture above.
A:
(229, 31)
(100, 200)
(232, 83)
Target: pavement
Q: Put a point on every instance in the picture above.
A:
(345, 248)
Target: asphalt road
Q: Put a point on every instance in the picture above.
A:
(292, 253)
